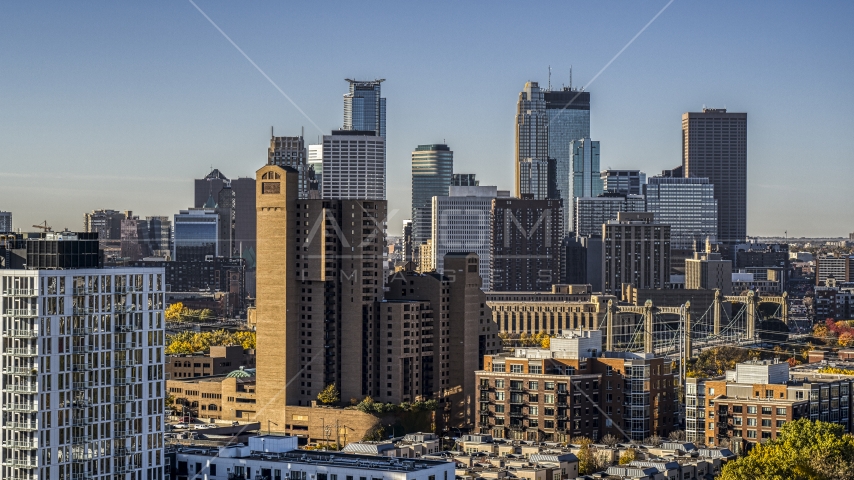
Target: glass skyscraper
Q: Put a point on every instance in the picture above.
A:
(584, 179)
(688, 205)
(432, 173)
(568, 114)
(532, 142)
(364, 107)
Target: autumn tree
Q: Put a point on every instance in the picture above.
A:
(628, 456)
(588, 460)
(803, 449)
(329, 395)
(173, 312)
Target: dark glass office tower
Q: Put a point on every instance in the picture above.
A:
(568, 114)
(714, 146)
(364, 107)
(432, 172)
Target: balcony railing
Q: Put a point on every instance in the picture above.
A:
(125, 416)
(20, 370)
(22, 426)
(122, 434)
(22, 352)
(81, 366)
(27, 333)
(21, 312)
(125, 363)
(83, 310)
(121, 381)
(81, 421)
(20, 292)
(80, 331)
(81, 476)
(21, 407)
(125, 346)
(80, 439)
(21, 388)
(21, 462)
(21, 444)
(82, 348)
(123, 398)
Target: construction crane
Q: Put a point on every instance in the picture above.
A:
(45, 227)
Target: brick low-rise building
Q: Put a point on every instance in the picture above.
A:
(751, 403)
(574, 389)
(219, 361)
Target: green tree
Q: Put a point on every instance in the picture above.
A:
(588, 461)
(628, 456)
(329, 395)
(803, 450)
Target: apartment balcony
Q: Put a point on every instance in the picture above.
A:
(21, 388)
(127, 328)
(83, 290)
(125, 363)
(125, 469)
(20, 370)
(21, 407)
(81, 331)
(82, 348)
(123, 398)
(21, 312)
(22, 352)
(81, 366)
(20, 292)
(122, 416)
(125, 346)
(83, 310)
(122, 451)
(123, 308)
(80, 439)
(81, 476)
(21, 444)
(122, 381)
(21, 462)
(22, 426)
(122, 434)
(27, 333)
(517, 414)
(81, 421)
(125, 289)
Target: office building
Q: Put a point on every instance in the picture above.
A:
(462, 223)
(221, 359)
(688, 205)
(201, 233)
(146, 237)
(840, 267)
(454, 333)
(315, 168)
(750, 404)
(108, 225)
(625, 182)
(237, 195)
(532, 144)
(278, 457)
(432, 170)
(408, 246)
(354, 165)
(575, 389)
(6, 221)
(364, 107)
(568, 112)
(291, 152)
(215, 274)
(708, 271)
(565, 307)
(714, 146)
(585, 180)
(82, 355)
(464, 180)
(592, 212)
(526, 241)
(763, 256)
(636, 251)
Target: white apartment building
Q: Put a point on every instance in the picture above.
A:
(82, 374)
(277, 458)
(353, 165)
(462, 223)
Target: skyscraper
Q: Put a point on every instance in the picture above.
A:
(5, 221)
(82, 355)
(238, 196)
(714, 146)
(688, 205)
(199, 233)
(353, 165)
(584, 175)
(636, 251)
(290, 152)
(364, 107)
(469, 180)
(315, 167)
(568, 112)
(626, 182)
(532, 143)
(592, 212)
(432, 170)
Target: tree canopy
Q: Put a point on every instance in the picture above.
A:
(191, 342)
(176, 312)
(716, 361)
(803, 450)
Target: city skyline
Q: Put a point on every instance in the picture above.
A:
(206, 106)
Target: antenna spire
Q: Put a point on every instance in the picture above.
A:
(570, 77)
(550, 78)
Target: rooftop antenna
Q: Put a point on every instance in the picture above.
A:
(271, 132)
(550, 78)
(302, 131)
(570, 77)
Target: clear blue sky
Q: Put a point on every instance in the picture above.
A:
(121, 104)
